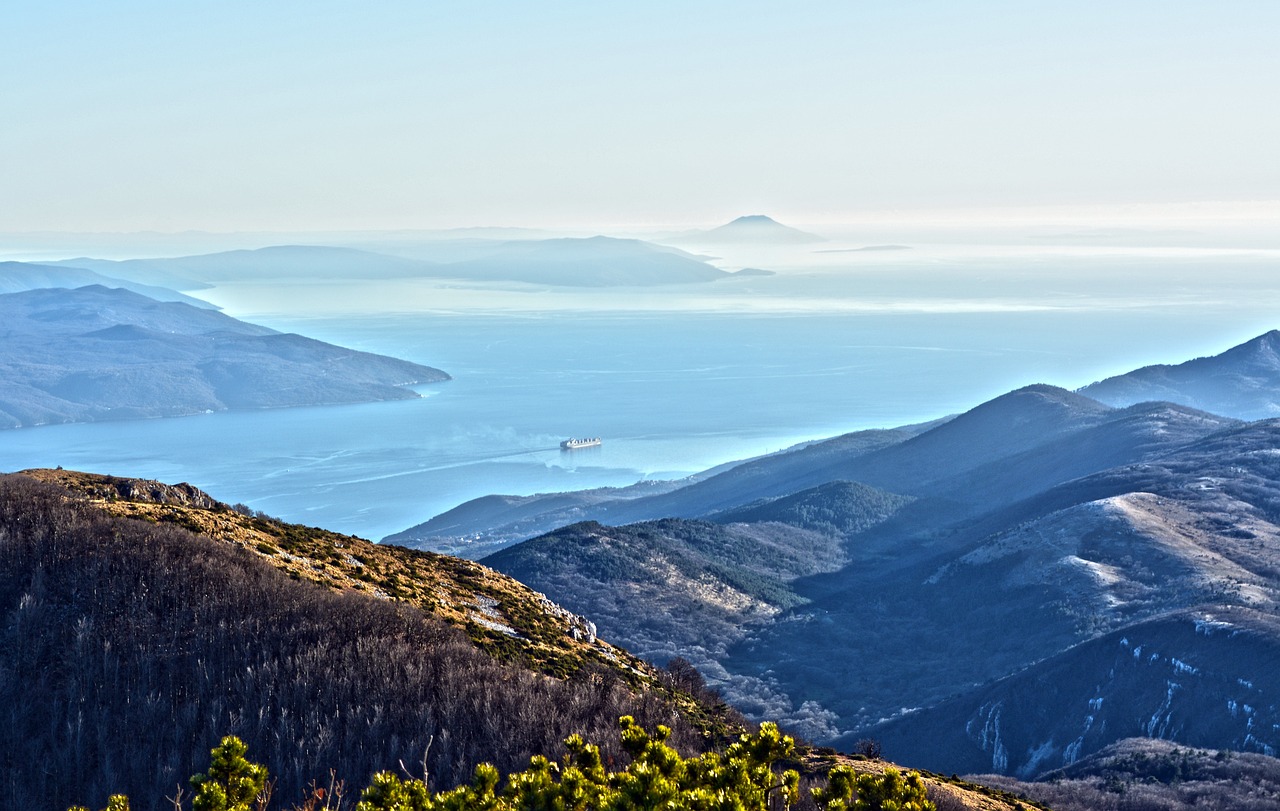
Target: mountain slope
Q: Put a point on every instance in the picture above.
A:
(1203, 678)
(143, 621)
(1011, 424)
(1122, 437)
(1193, 526)
(1242, 382)
(100, 354)
(1022, 535)
(837, 508)
(131, 645)
(728, 575)
(1142, 773)
(1040, 520)
(679, 588)
(497, 613)
(986, 595)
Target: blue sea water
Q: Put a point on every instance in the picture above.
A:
(674, 381)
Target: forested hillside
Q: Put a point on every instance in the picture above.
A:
(129, 648)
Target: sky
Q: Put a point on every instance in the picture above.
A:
(133, 115)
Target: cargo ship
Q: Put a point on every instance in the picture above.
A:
(575, 444)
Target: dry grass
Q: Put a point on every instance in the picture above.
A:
(498, 612)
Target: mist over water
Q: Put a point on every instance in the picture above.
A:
(674, 379)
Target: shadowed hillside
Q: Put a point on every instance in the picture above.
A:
(1201, 678)
(1140, 774)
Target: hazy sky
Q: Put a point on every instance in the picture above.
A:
(230, 115)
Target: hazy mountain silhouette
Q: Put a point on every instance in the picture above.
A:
(140, 271)
(1242, 382)
(275, 262)
(16, 277)
(592, 262)
(751, 229)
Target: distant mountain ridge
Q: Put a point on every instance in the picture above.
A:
(16, 277)
(1242, 382)
(964, 453)
(490, 522)
(592, 262)
(1040, 576)
(107, 354)
(570, 262)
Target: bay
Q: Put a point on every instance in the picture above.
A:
(673, 381)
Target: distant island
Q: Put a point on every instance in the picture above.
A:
(97, 353)
(753, 229)
(565, 262)
(591, 262)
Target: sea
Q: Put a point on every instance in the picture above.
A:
(674, 380)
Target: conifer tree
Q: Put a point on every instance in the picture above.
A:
(232, 782)
(743, 778)
(891, 791)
